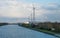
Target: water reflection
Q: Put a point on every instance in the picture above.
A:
(14, 31)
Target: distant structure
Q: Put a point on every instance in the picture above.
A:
(33, 15)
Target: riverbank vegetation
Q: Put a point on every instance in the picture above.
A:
(46, 27)
(1, 24)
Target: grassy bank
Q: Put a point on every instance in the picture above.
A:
(40, 30)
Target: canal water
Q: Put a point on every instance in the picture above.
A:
(15, 31)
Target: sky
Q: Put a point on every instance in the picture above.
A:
(21, 10)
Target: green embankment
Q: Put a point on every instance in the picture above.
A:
(38, 29)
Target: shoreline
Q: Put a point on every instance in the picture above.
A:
(43, 31)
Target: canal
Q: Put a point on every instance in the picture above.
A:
(15, 31)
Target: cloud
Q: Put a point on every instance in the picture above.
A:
(16, 9)
(19, 9)
(53, 12)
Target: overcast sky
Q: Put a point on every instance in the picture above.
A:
(20, 10)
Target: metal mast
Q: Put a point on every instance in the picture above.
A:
(33, 14)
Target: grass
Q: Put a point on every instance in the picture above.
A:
(40, 30)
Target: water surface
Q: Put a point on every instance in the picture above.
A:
(15, 31)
